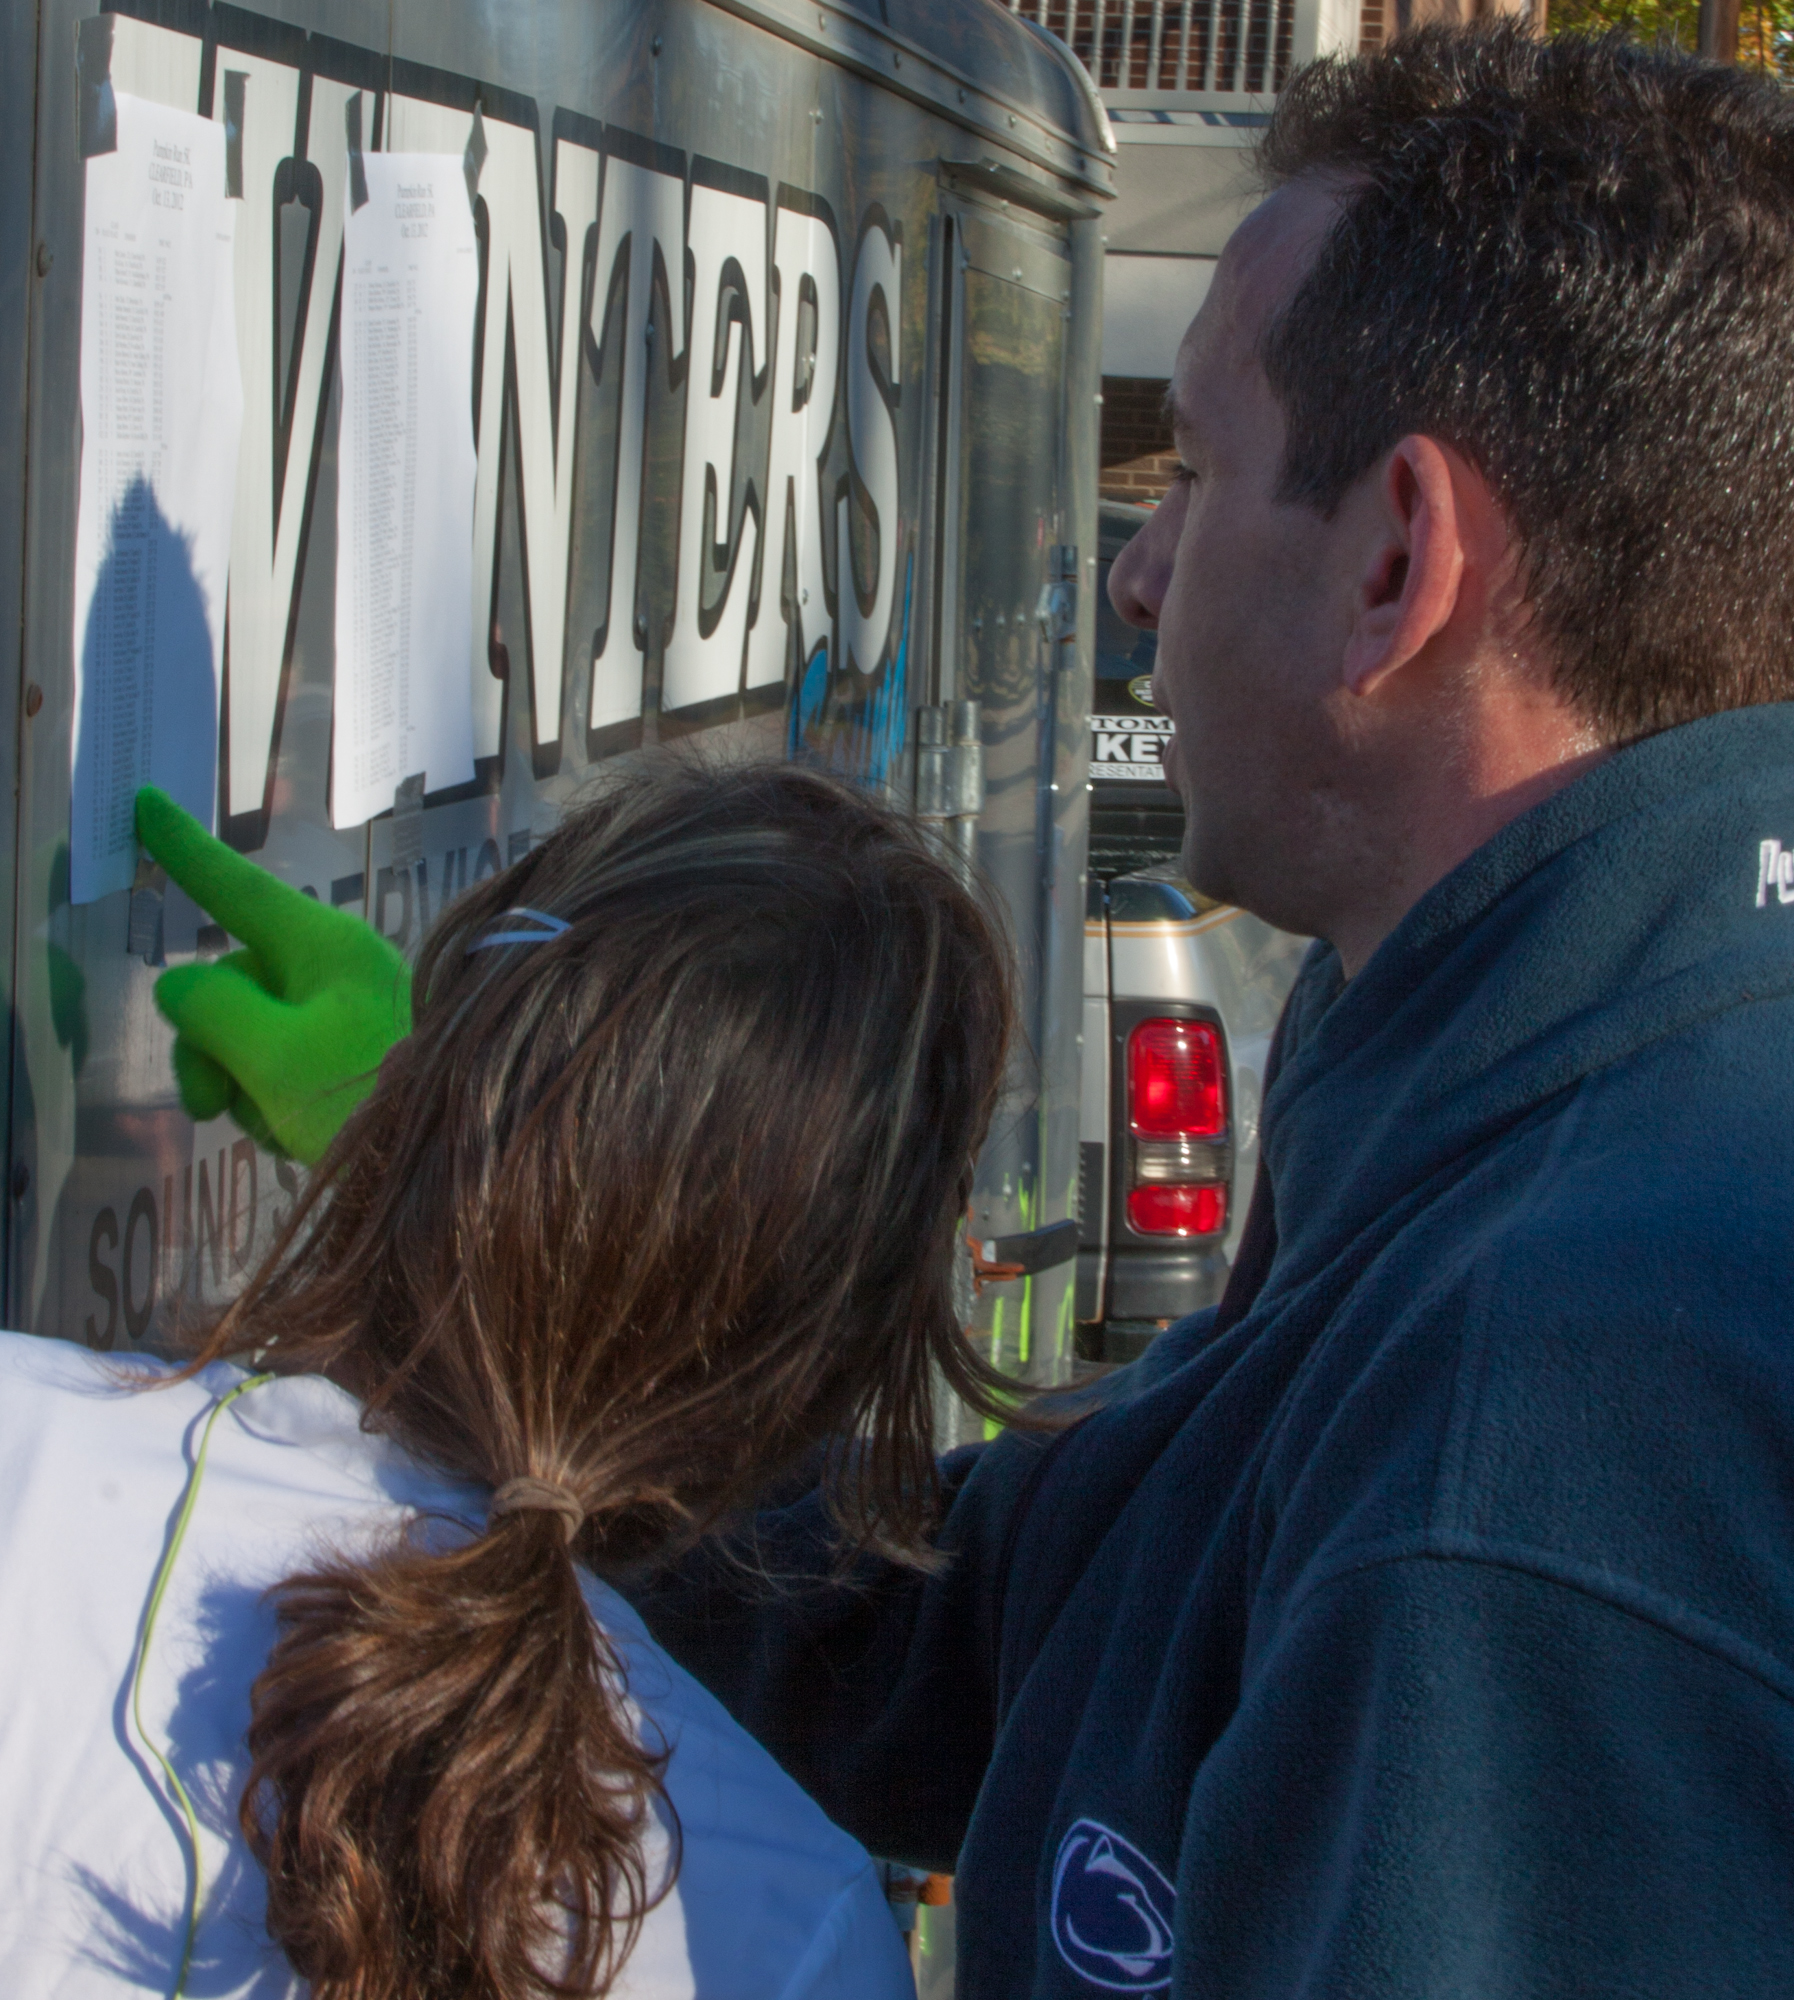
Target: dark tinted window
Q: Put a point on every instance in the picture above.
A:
(1132, 825)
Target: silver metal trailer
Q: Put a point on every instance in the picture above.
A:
(785, 389)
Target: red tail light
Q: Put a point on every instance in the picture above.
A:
(1174, 1081)
(1177, 1113)
(1177, 1211)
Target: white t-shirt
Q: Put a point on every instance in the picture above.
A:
(772, 1901)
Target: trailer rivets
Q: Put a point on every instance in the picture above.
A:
(45, 256)
(34, 698)
(654, 46)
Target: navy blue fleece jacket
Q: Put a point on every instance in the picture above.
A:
(1429, 1630)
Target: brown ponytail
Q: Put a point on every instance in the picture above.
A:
(647, 1211)
(445, 1795)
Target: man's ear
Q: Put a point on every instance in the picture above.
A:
(1408, 587)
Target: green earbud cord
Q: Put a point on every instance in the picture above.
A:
(157, 1589)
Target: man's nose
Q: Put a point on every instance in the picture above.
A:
(1138, 577)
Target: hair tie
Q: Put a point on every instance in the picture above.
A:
(546, 927)
(540, 1496)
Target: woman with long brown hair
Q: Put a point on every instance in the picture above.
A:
(307, 1673)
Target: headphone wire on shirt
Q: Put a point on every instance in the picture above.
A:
(196, 1890)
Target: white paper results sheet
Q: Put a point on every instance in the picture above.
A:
(405, 479)
(161, 410)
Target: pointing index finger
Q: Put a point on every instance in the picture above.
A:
(244, 897)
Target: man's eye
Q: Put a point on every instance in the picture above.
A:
(1183, 476)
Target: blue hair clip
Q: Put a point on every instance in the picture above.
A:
(549, 927)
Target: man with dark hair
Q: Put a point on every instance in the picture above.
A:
(1489, 430)
(1421, 1621)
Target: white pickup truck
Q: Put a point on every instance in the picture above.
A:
(1181, 997)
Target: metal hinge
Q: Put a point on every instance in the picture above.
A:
(950, 771)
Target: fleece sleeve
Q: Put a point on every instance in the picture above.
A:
(875, 1686)
(1452, 1776)
(879, 1688)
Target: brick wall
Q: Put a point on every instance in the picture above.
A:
(1136, 456)
(1139, 479)
(1133, 418)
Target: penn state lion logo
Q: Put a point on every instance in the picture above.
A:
(1112, 1911)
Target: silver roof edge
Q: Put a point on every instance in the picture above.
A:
(1081, 76)
(900, 64)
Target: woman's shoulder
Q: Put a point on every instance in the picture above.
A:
(96, 1448)
(35, 1361)
(766, 1879)
(71, 1419)
(47, 1376)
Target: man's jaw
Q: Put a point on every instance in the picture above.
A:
(1168, 764)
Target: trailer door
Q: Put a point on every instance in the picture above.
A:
(1003, 513)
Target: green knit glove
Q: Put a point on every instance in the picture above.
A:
(287, 1034)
